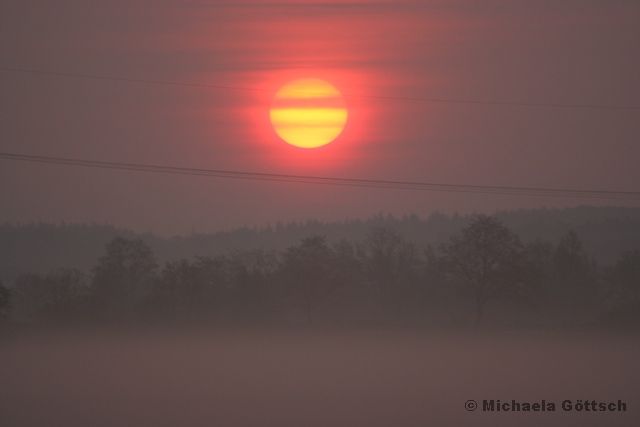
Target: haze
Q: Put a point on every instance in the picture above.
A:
(549, 52)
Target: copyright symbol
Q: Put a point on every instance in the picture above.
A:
(470, 405)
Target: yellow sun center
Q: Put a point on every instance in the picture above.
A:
(308, 113)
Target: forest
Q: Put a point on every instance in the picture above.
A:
(483, 274)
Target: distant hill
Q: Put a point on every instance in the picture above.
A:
(40, 247)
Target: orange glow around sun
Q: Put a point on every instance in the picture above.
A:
(308, 113)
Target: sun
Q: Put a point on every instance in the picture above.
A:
(308, 113)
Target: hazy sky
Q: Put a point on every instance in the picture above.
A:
(535, 51)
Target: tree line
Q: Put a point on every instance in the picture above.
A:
(35, 247)
(484, 274)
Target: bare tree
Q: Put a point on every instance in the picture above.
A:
(486, 258)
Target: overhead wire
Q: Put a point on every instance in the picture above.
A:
(336, 181)
(329, 180)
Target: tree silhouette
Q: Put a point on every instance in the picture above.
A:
(178, 290)
(574, 277)
(377, 276)
(486, 257)
(59, 295)
(5, 301)
(624, 282)
(124, 276)
(571, 261)
(192, 289)
(250, 283)
(307, 272)
(538, 266)
(390, 263)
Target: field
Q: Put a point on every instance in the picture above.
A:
(365, 378)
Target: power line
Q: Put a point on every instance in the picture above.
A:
(374, 97)
(334, 181)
